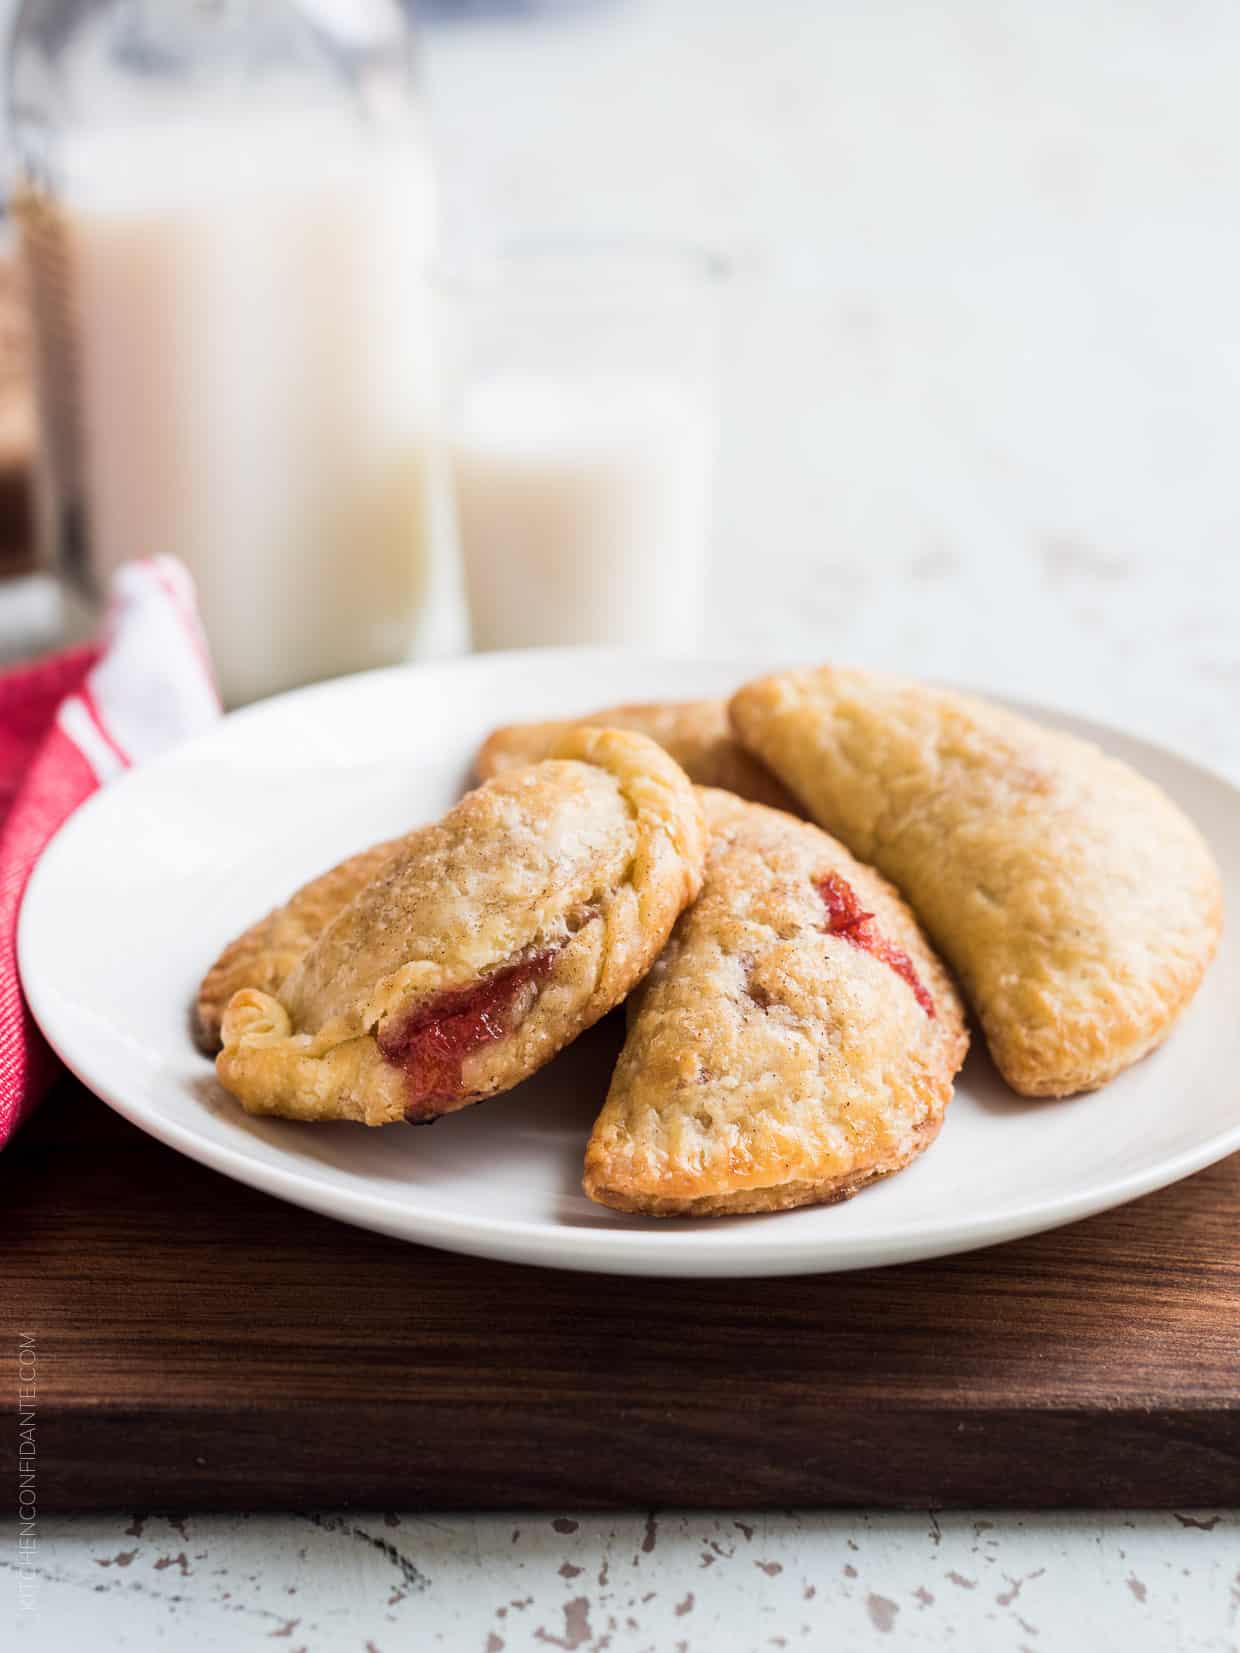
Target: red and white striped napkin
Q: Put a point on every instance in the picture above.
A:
(68, 725)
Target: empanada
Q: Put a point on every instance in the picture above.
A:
(489, 941)
(796, 1039)
(1076, 903)
(695, 732)
(264, 954)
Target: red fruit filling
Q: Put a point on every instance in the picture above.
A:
(846, 917)
(433, 1044)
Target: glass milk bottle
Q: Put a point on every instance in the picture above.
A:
(226, 218)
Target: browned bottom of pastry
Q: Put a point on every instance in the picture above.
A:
(785, 1196)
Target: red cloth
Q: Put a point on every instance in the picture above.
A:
(68, 725)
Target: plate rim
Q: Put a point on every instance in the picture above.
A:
(660, 1250)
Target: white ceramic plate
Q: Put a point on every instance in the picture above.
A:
(145, 884)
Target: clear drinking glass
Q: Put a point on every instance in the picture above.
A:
(226, 215)
(581, 432)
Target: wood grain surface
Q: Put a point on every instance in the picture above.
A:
(203, 1346)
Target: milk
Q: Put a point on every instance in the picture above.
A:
(582, 510)
(252, 378)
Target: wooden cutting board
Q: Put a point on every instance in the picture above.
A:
(200, 1345)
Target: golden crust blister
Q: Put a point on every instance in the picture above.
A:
(562, 880)
(696, 733)
(770, 1063)
(1077, 904)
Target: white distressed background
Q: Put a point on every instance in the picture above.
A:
(640, 1584)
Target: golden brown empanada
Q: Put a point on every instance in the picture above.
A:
(264, 954)
(1076, 903)
(488, 942)
(796, 1039)
(695, 732)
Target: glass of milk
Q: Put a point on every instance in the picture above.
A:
(581, 434)
(226, 216)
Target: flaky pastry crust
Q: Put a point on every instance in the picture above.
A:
(696, 733)
(491, 939)
(264, 955)
(780, 1053)
(1077, 904)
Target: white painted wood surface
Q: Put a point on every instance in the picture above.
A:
(983, 394)
(639, 1584)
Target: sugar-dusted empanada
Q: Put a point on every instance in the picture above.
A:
(796, 1039)
(264, 954)
(489, 941)
(695, 732)
(1076, 903)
